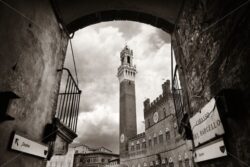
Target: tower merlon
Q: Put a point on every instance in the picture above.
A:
(166, 87)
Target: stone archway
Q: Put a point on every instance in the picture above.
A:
(78, 14)
(213, 54)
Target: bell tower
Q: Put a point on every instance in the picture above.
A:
(126, 75)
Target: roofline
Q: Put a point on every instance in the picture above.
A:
(105, 153)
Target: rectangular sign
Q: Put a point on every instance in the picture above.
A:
(212, 150)
(25, 145)
(206, 124)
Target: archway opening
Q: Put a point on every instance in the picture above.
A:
(97, 51)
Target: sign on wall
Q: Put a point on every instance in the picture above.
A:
(206, 124)
(212, 150)
(25, 145)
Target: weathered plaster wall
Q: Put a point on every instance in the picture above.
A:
(214, 59)
(30, 54)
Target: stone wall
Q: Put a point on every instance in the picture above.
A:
(212, 52)
(31, 53)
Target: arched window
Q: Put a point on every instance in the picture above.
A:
(180, 161)
(132, 146)
(149, 141)
(138, 145)
(157, 164)
(128, 60)
(160, 137)
(155, 139)
(187, 163)
(167, 134)
(170, 162)
(144, 143)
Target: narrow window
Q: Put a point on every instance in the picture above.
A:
(180, 164)
(132, 148)
(137, 146)
(164, 112)
(167, 135)
(161, 138)
(128, 59)
(171, 164)
(187, 163)
(149, 142)
(155, 140)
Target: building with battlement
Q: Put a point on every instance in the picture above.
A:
(160, 144)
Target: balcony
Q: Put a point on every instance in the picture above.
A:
(68, 101)
(64, 123)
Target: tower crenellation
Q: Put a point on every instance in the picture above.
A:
(166, 93)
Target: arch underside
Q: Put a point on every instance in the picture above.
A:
(77, 14)
(119, 15)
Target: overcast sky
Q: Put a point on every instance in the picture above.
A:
(97, 52)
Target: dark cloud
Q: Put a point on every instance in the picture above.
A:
(102, 134)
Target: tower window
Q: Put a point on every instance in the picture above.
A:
(128, 58)
(144, 144)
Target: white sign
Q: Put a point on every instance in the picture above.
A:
(22, 144)
(206, 124)
(215, 150)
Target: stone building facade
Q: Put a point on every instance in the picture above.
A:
(80, 155)
(113, 163)
(62, 160)
(97, 157)
(160, 144)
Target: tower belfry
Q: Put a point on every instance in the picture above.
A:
(126, 75)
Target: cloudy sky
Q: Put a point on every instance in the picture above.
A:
(97, 52)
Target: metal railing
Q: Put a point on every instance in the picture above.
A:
(177, 97)
(68, 101)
